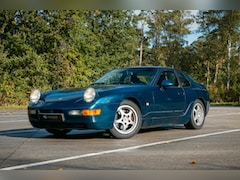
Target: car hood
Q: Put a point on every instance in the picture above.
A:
(66, 94)
(73, 94)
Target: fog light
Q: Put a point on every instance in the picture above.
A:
(32, 111)
(75, 113)
(91, 112)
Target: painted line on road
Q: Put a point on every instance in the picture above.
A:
(116, 150)
(12, 115)
(229, 114)
(13, 121)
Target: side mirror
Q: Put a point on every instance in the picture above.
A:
(166, 83)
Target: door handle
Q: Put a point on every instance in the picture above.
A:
(180, 93)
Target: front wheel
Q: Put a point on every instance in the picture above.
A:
(197, 117)
(127, 121)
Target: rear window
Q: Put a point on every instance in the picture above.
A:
(183, 80)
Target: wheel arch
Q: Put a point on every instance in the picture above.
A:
(135, 101)
(205, 105)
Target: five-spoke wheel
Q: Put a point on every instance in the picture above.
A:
(197, 117)
(127, 121)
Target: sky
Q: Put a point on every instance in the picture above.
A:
(193, 27)
(192, 37)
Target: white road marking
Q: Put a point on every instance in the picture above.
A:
(229, 114)
(116, 150)
(15, 121)
(13, 115)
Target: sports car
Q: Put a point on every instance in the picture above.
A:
(122, 102)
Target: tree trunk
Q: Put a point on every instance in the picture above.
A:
(216, 73)
(228, 64)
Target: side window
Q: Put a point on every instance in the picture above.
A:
(183, 81)
(168, 75)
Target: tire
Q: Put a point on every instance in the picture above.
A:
(197, 116)
(58, 132)
(127, 121)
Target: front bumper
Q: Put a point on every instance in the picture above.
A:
(63, 119)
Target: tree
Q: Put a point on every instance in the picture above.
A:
(167, 31)
(49, 49)
(221, 29)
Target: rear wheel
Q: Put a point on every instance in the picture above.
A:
(58, 132)
(197, 117)
(127, 121)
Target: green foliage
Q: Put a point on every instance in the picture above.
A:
(218, 51)
(49, 49)
(53, 49)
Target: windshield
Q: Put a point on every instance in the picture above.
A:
(128, 76)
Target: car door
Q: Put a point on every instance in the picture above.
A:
(169, 98)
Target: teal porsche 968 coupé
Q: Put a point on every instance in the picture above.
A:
(122, 102)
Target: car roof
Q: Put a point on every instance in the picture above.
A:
(147, 67)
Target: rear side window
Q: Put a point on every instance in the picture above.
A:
(183, 80)
(168, 75)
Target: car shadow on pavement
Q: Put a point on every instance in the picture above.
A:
(41, 133)
(162, 128)
(22, 133)
(75, 134)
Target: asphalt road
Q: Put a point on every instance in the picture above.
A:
(214, 147)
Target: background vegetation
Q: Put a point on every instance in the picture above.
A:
(49, 49)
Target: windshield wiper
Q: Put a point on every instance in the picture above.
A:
(98, 83)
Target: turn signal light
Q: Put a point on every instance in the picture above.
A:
(91, 112)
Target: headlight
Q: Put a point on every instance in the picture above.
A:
(89, 95)
(35, 96)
